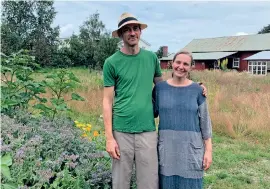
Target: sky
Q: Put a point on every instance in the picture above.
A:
(173, 24)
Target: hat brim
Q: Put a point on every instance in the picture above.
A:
(143, 26)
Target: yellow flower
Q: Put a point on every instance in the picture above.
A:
(89, 125)
(84, 135)
(96, 133)
(88, 128)
(79, 125)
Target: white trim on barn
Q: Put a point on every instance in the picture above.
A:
(258, 67)
(236, 62)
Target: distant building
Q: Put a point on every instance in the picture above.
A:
(142, 43)
(244, 53)
(166, 59)
(249, 53)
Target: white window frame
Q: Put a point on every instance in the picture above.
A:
(236, 62)
(257, 67)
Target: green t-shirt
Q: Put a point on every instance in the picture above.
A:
(132, 76)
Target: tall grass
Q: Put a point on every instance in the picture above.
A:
(239, 103)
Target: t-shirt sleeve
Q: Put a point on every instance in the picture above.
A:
(108, 74)
(157, 67)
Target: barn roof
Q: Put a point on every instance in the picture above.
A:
(211, 55)
(258, 42)
(263, 55)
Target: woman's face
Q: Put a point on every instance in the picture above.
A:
(181, 65)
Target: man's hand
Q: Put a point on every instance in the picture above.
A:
(204, 89)
(207, 160)
(112, 148)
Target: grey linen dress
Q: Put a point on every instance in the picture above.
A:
(184, 124)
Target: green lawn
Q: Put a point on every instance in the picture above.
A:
(238, 164)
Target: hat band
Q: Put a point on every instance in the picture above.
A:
(126, 20)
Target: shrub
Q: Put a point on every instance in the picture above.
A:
(52, 154)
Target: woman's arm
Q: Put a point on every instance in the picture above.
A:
(206, 129)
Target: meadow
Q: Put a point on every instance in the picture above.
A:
(240, 111)
(239, 106)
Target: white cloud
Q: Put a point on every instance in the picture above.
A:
(241, 33)
(66, 29)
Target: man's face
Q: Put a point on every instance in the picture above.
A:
(131, 34)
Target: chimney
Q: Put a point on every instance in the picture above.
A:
(165, 51)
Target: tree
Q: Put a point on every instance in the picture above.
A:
(90, 34)
(44, 37)
(27, 25)
(265, 29)
(17, 25)
(159, 52)
(105, 48)
(93, 44)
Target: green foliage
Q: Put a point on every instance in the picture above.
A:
(52, 154)
(60, 82)
(18, 88)
(223, 64)
(159, 52)
(106, 46)
(27, 25)
(6, 162)
(90, 48)
(265, 29)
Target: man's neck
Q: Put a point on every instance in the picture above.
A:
(130, 50)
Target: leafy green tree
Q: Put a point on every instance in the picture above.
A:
(159, 52)
(265, 29)
(27, 25)
(105, 48)
(17, 25)
(93, 44)
(44, 36)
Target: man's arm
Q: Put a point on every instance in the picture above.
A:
(157, 79)
(204, 89)
(111, 145)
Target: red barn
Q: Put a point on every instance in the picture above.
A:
(166, 58)
(236, 49)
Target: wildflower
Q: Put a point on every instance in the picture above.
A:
(88, 128)
(89, 125)
(96, 133)
(84, 135)
(80, 125)
(76, 122)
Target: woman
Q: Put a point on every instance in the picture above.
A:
(185, 131)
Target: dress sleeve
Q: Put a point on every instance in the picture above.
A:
(204, 117)
(155, 102)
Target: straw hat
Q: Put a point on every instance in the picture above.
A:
(127, 18)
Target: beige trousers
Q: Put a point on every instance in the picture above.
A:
(140, 149)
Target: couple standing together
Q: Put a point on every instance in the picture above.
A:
(176, 156)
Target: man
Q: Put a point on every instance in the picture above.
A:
(128, 116)
(127, 108)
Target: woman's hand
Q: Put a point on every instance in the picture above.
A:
(207, 159)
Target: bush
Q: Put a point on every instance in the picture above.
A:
(52, 154)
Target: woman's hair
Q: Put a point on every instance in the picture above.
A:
(186, 53)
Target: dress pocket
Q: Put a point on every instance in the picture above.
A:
(195, 156)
